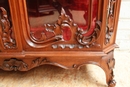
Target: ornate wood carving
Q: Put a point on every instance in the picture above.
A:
(108, 63)
(55, 29)
(29, 56)
(14, 64)
(111, 63)
(19, 65)
(112, 83)
(39, 61)
(89, 40)
(71, 46)
(110, 21)
(6, 34)
(57, 34)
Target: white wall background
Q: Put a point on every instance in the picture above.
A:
(123, 32)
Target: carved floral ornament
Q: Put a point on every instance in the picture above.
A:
(110, 21)
(6, 30)
(14, 64)
(76, 33)
(111, 64)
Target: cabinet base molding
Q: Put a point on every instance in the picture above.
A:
(106, 62)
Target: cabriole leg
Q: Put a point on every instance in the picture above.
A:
(107, 64)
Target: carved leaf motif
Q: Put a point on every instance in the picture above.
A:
(14, 64)
(65, 30)
(111, 63)
(110, 21)
(64, 24)
(89, 40)
(8, 41)
(54, 29)
(88, 37)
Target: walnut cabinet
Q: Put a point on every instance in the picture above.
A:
(63, 33)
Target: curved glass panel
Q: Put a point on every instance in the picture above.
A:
(82, 12)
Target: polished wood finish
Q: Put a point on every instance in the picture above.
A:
(20, 50)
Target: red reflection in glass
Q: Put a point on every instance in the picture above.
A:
(94, 16)
(66, 33)
(41, 12)
(38, 31)
(79, 11)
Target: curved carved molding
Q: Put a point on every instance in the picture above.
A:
(107, 63)
(110, 21)
(8, 41)
(56, 31)
(41, 61)
(92, 38)
(14, 64)
(89, 40)
(111, 64)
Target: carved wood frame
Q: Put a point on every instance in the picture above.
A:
(66, 21)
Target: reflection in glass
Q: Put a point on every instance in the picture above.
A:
(5, 5)
(41, 12)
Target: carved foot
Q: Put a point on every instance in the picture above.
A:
(112, 83)
(111, 64)
(108, 63)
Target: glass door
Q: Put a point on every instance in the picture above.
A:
(53, 21)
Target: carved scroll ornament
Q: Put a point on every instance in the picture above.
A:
(6, 28)
(89, 40)
(15, 64)
(111, 64)
(57, 33)
(110, 21)
(54, 33)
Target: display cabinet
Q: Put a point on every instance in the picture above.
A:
(63, 33)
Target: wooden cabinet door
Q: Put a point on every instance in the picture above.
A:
(61, 25)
